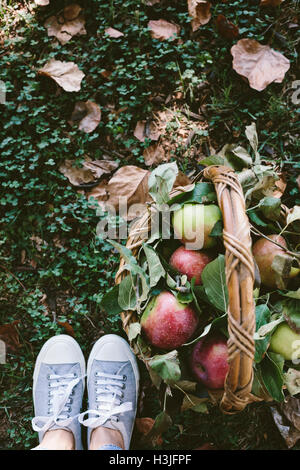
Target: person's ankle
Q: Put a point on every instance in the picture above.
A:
(58, 439)
(102, 436)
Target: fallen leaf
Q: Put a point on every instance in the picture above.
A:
(206, 446)
(154, 155)
(99, 193)
(225, 28)
(162, 29)
(66, 74)
(10, 335)
(289, 433)
(199, 10)
(260, 64)
(152, 2)
(87, 114)
(67, 24)
(129, 185)
(113, 33)
(280, 186)
(72, 11)
(145, 129)
(144, 425)
(89, 172)
(271, 3)
(68, 328)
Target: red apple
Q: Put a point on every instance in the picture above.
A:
(193, 223)
(264, 252)
(167, 323)
(209, 361)
(190, 262)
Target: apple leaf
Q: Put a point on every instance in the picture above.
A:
(167, 366)
(292, 381)
(134, 330)
(139, 276)
(293, 215)
(271, 207)
(161, 181)
(214, 283)
(268, 328)
(127, 295)
(291, 313)
(272, 375)
(161, 424)
(219, 323)
(110, 302)
(263, 317)
(215, 160)
(293, 294)
(156, 270)
(192, 402)
(200, 193)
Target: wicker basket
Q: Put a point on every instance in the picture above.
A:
(239, 267)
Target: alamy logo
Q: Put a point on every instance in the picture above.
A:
(2, 92)
(2, 352)
(296, 94)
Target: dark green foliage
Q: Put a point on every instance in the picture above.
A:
(64, 277)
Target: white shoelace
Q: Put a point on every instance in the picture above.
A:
(109, 394)
(61, 387)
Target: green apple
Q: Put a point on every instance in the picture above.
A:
(193, 223)
(286, 342)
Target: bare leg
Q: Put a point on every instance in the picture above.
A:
(103, 436)
(58, 439)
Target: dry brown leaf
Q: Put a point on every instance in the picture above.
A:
(154, 155)
(99, 193)
(287, 419)
(89, 172)
(128, 189)
(144, 425)
(66, 74)
(271, 3)
(199, 10)
(225, 28)
(10, 335)
(260, 64)
(67, 24)
(280, 186)
(162, 29)
(113, 33)
(68, 328)
(72, 11)
(144, 129)
(129, 184)
(87, 115)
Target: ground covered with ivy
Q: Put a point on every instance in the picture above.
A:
(54, 268)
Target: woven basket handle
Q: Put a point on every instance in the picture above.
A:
(239, 267)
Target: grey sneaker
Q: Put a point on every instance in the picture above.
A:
(58, 385)
(113, 384)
